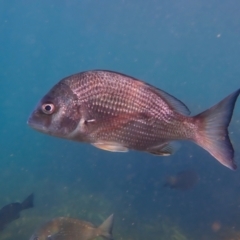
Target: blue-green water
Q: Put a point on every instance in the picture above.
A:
(189, 48)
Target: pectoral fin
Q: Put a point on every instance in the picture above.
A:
(110, 146)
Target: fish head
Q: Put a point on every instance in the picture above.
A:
(48, 231)
(57, 113)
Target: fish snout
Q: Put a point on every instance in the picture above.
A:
(37, 122)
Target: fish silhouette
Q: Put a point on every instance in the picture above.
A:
(65, 228)
(183, 180)
(12, 211)
(115, 112)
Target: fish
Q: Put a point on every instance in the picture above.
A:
(117, 113)
(11, 211)
(65, 228)
(183, 180)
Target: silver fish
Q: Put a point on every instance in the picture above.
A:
(64, 228)
(116, 112)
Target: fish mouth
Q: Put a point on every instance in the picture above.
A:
(36, 125)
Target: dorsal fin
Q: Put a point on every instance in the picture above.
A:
(173, 102)
(106, 228)
(176, 104)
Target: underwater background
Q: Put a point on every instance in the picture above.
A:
(189, 48)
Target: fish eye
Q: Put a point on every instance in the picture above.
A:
(48, 108)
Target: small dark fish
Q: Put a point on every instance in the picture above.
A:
(116, 112)
(12, 211)
(64, 228)
(183, 180)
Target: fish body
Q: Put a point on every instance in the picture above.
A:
(116, 112)
(12, 211)
(64, 228)
(183, 180)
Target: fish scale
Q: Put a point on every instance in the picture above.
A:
(128, 105)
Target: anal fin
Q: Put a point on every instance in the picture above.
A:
(165, 149)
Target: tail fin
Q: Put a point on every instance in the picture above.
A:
(212, 132)
(106, 228)
(28, 202)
